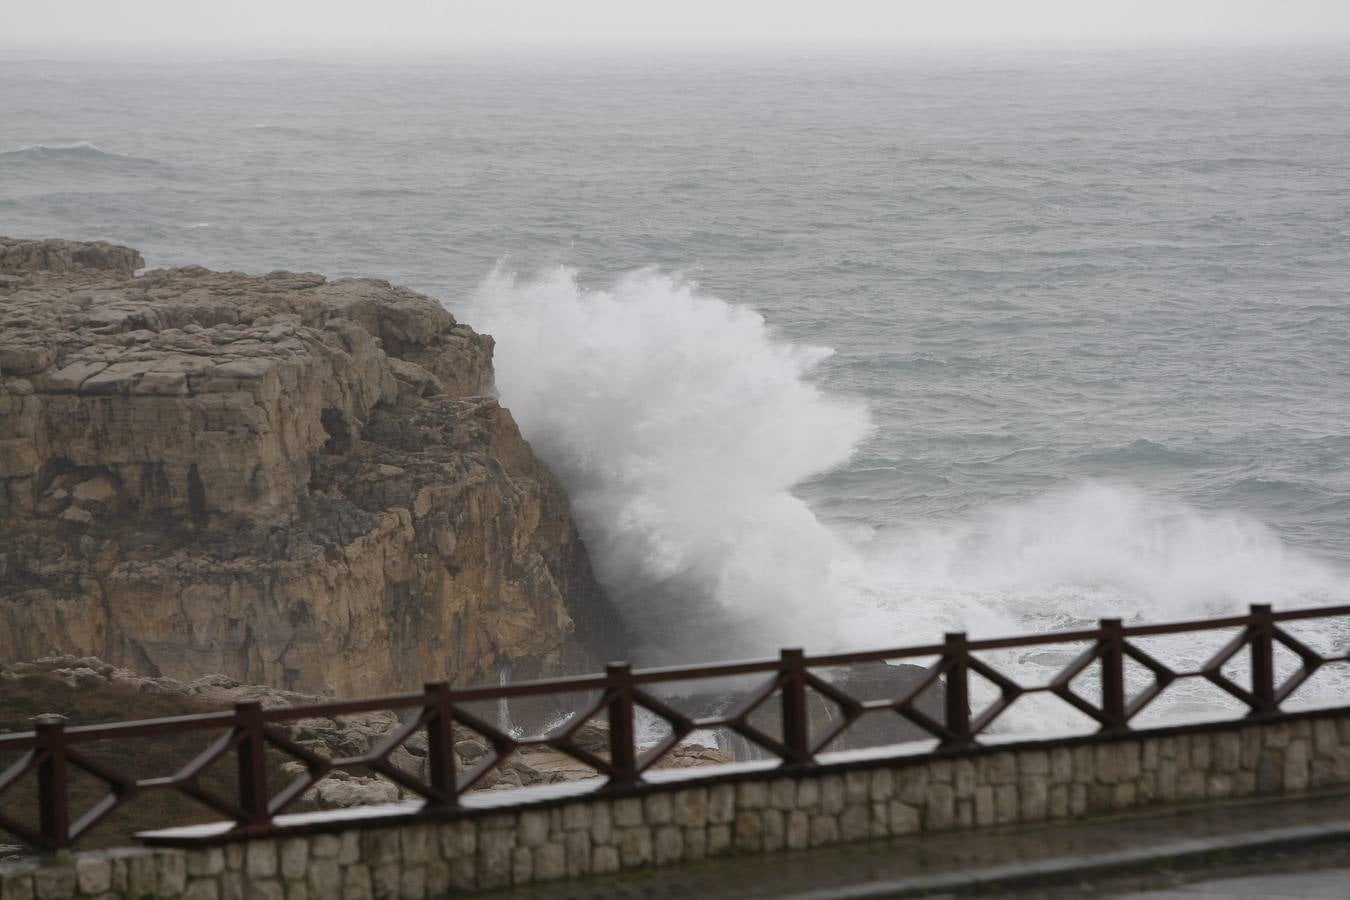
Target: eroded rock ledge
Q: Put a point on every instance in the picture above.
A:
(288, 480)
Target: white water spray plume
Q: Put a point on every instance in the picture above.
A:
(680, 424)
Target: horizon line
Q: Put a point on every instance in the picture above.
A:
(367, 49)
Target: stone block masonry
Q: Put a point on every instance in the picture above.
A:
(740, 810)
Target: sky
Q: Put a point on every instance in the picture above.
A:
(447, 24)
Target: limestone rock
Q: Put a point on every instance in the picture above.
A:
(593, 735)
(469, 751)
(19, 256)
(333, 794)
(688, 756)
(293, 481)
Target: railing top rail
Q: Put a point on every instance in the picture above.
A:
(25, 740)
(578, 684)
(865, 656)
(704, 670)
(1313, 612)
(84, 733)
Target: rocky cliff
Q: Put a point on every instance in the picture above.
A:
(292, 481)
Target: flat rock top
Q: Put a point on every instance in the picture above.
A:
(18, 256)
(74, 318)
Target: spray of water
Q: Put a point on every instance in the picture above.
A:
(679, 427)
(680, 424)
(1080, 553)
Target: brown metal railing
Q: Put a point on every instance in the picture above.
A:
(50, 751)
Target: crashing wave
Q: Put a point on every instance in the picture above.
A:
(680, 425)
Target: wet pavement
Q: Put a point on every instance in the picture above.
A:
(1269, 846)
(1332, 884)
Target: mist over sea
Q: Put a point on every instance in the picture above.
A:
(839, 350)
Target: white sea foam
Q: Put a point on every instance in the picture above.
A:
(1086, 551)
(680, 425)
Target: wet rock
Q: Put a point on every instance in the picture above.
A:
(469, 751)
(77, 516)
(334, 794)
(592, 736)
(687, 756)
(94, 491)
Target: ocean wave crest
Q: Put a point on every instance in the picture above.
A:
(74, 152)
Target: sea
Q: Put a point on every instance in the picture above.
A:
(833, 349)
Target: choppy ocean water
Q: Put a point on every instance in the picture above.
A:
(833, 350)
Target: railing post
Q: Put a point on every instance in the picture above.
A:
(252, 758)
(796, 718)
(440, 742)
(1113, 675)
(1262, 640)
(622, 756)
(957, 659)
(53, 786)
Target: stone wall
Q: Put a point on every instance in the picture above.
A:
(737, 812)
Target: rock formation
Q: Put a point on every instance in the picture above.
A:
(291, 481)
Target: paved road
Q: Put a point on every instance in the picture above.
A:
(1310, 873)
(1259, 850)
(1332, 884)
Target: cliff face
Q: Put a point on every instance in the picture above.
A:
(291, 481)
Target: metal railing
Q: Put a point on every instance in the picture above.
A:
(51, 751)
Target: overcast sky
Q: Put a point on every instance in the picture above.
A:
(431, 24)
